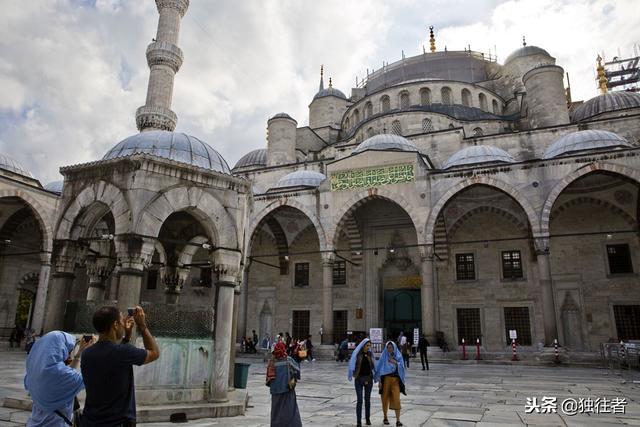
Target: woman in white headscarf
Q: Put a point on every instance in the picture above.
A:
(52, 379)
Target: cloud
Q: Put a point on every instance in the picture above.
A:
(74, 71)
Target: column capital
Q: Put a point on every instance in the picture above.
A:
(66, 256)
(134, 252)
(226, 263)
(174, 278)
(426, 253)
(98, 267)
(328, 258)
(541, 245)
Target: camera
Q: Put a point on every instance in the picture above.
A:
(131, 311)
(87, 338)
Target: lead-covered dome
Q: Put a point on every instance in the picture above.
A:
(604, 103)
(11, 164)
(302, 178)
(54, 187)
(386, 142)
(526, 51)
(330, 91)
(478, 154)
(176, 146)
(253, 158)
(585, 140)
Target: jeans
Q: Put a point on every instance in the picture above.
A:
(423, 359)
(360, 386)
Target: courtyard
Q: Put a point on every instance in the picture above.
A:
(449, 394)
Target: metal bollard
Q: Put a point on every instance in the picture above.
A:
(464, 350)
(514, 351)
(555, 351)
(623, 355)
(477, 348)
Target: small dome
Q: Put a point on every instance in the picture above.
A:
(54, 187)
(478, 154)
(610, 101)
(302, 178)
(526, 51)
(330, 91)
(10, 164)
(585, 140)
(282, 116)
(253, 158)
(386, 142)
(173, 146)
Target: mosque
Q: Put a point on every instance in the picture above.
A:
(448, 192)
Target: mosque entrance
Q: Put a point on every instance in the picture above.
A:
(402, 311)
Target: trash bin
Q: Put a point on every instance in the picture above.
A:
(241, 375)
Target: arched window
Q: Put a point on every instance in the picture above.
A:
(483, 102)
(427, 126)
(466, 97)
(356, 117)
(347, 124)
(385, 103)
(405, 102)
(445, 94)
(425, 96)
(368, 110)
(451, 126)
(370, 132)
(477, 132)
(496, 108)
(396, 128)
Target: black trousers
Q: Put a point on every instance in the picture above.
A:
(424, 360)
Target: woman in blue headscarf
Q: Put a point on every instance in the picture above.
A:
(52, 379)
(390, 373)
(361, 367)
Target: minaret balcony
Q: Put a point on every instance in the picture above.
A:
(155, 117)
(164, 53)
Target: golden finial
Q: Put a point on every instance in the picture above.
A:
(432, 39)
(602, 78)
(330, 83)
(524, 42)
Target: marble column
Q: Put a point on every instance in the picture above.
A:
(546, 288)
(234, 337)
(327, 298)
(37, 321)
(61, 282)
(134, 255)
(243, 302)
(427, 293)
(227, 267)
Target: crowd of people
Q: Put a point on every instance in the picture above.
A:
(300, 349)
(18, 333)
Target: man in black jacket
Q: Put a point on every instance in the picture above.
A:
(422, 346)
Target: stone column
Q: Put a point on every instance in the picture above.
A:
(134, 255)
(227, 267)
(37, 321)
(243, 301)
(61, 281)
(546, 288)
(427, 293)
(327, 297)
(173, 279)
(234, 337)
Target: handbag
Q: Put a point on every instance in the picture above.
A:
(302, 353)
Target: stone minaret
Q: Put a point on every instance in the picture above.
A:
(164, 58)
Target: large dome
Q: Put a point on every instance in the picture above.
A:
(585, 140)
(173, 146)
(526, 51)
(478, 154)
(10, 164)
(302, 178)
(386, 142)
(604, 103)
(253, 158)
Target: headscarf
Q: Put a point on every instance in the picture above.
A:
(51, 384)
(354, 358)
(280, 350)
(384, 367)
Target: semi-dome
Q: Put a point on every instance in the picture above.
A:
(585, 140)
(330, 91)
(526, 51)
(173, 146)
(610, 101)
(54, 187)
(253, 158)
(386, 142)
(478, 154)
(11, 164)
(302, 178)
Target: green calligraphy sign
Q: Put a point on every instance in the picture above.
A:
(373, 177)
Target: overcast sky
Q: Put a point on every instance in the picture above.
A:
(73, 72)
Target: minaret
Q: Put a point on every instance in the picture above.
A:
(164, 58)
(321, 88)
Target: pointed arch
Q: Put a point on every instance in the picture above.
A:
(38, 211)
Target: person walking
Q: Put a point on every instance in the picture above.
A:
(361, 368)
(254, 341)
(309, 346)
(390, 374)
(423, 344)
(107, 367)
(282, 375)
(52, 379)
(343, 350)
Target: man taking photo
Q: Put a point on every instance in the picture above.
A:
(107, 369)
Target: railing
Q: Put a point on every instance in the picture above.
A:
(622, 359)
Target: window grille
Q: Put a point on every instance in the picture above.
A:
(300, 324)
(339, 272)
(517, 318)
(469, 325)
(396, 128)
(386, 104)
(425, 96)
(339, 325)
(627, 322)
(619, 259)
(466, 97)
(427, 125)
(465, 267)
(477, 132)
(301, 274)
(445, 93)
(511, 265)
(405, 102)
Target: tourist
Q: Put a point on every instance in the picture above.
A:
(343, 350)
(390, 374)
(29, 340)
(361, 367)
(254, 341)
(282, 375)
(107, 367)
(52, 379)
(266, 342)
(423, 344)
(309, 345)
(290, 343)
(405, 348)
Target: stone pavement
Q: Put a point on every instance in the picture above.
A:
(447, 395)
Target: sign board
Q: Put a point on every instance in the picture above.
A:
(513, 335)
(375, 335)
(416, 336)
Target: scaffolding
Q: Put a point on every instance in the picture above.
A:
(624, 73)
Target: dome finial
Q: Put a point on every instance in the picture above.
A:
(330, 83)
(602, 77)
(432, 39)
(321, 75)
(524, 41)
